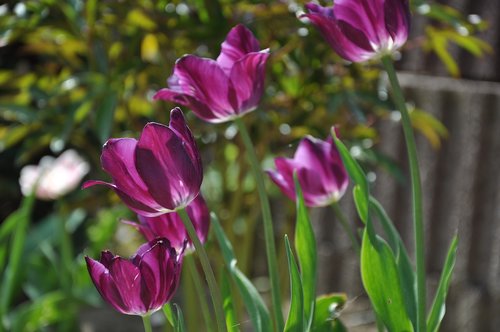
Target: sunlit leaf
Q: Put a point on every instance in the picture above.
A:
(328, 308)
(438, 307)
(295, 320)
(382, 283)
(305, 246)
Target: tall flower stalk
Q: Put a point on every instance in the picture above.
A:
(268, 223)
(207, 269)
(416, 187)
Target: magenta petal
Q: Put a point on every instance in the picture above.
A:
(353, 50)
(247, 78)
(362, 29)
(364, 15)
(118, 160)
(283, 176)
(239, 42)
(166, 167)
(128, 281)
(131, 202)
(173, 96)
(156, 264)
(313, 154)
(179, 126)
(319, 169)
(397, 20)
(205, 80)
(103, 282)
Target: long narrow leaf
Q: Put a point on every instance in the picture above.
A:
(180, 326)
(361, 189)
(10, 277)
(405, 267)
(381, 280)
(295, 320)
(230, 313)
(169, 314)
(305, 246)
(438, 306)
(259, 315)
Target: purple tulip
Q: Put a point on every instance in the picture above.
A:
(223, 89)
(359, 30)
(170, 225)
(158, 173)
(319, 169)
(139, 285)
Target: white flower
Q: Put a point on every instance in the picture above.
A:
(53, 177)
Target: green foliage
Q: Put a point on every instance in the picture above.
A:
(295, 321)
(382, 283)
(250, 296)
(328, 309)
(305, 247)
(438, 307)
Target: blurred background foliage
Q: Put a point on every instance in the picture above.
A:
(74, 73)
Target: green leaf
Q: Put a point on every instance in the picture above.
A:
(361, 203)
(104, 117)
(231, 321)
(295, 320)
(169, 314)
(305, 246)
(179, 326)
(259, 315)
(37, 314)
(406, 272)
(327, 310)
(361, 190)
(355, 171)
(21, 219)
(381, 280)
(438, 308)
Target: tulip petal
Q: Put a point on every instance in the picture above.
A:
(349, 42)
(131, 202)
(118, 160)
(247, 77)
(204, 80)
(364, 15)
(239, 41)
(128, 281)
(179, 126)
(397, 20)
(283, 176)
(165, 166)
(104, 284)
(155, 262)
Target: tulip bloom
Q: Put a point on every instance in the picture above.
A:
(139, 285)
(53, 177)
(223, 89)
(359, 30)
(170, 226)
(158, 173)
(319, 169)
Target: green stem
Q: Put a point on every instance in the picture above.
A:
(347, 228)
(268, 224)
(146, 320)
(416, 191)
(198, 285)
(207, 269)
